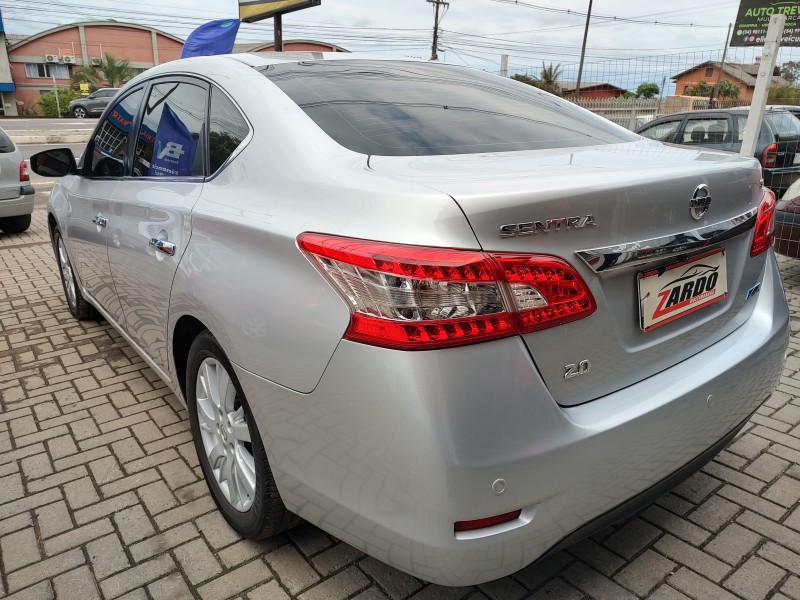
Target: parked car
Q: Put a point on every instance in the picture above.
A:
(92, 105)
(723, 129)
(447, 317)
(16, 192)
(787, 222)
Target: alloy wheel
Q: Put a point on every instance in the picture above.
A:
(225, 435)
(66, 274)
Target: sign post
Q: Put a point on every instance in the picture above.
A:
(766, 70)
(251, 11)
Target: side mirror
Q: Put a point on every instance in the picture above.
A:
(54, 163)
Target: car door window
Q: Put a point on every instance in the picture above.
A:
(662, 132)
(227, 129)
(169, 143)
(105, 156)
(713, 131)
(765, 137)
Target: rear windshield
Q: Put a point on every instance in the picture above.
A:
(407, 109)
(6, 145)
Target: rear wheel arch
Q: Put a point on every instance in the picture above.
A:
(186, 330)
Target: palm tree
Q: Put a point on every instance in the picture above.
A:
(116, 71)
(111, 72)
(548, 79)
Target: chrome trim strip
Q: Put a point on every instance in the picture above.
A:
(610, 258)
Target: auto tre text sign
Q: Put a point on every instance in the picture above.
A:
(753, 20)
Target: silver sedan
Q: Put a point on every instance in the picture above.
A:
(451, 319)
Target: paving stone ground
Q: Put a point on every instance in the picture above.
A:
(101, 495)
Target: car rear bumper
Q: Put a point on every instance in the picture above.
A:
(21, 205)
(394, 447)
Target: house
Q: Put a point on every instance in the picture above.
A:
(742, 76)
(592, 90)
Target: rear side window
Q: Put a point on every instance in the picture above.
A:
(707, 131)
(169, 143)
(6, 145)
(107, 148)
(405, 109)
(226, 131)
(784, 124)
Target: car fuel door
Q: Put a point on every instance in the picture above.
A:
(153, 209)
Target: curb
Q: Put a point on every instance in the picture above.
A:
(68, 136)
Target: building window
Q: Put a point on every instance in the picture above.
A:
(35, 70)
(686, 88)
(709, 71)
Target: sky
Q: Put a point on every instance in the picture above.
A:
(625, 45)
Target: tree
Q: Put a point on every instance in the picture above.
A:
(790, 71)
(648, 90)
(728, 89)
(88, 75)
(784, 94)
(111, 72)
(547, 80)
(699, 89)
(47, 102)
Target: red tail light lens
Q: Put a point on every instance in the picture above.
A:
(769, 157)
(416, 297)
(764, 232)
(23, 171)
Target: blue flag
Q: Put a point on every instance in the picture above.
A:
(214, 37)
(174, 148)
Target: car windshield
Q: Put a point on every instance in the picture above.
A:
(408, 108)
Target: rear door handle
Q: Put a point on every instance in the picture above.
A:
(100, 221)
(167, 248)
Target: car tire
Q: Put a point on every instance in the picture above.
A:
(77, 305)
(79, 112)
(229, 446)
(15, 224)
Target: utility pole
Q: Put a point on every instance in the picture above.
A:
(721, 68)
(583, 51)
(436, 20)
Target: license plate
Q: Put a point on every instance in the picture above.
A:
(677, 290)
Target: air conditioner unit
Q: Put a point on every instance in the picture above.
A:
(96, 61)
(68, 60)
(51, 58)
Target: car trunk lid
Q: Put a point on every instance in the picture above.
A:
(604, 199)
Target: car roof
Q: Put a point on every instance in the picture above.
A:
(733, 110)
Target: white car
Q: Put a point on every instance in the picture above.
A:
(16, 192)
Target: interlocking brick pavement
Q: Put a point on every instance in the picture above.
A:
(101, 495)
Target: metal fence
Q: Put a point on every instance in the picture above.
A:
(632, 113)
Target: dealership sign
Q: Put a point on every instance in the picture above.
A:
(255, 10)
(753, 20)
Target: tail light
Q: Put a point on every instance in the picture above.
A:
(23, 171)
(416, 297)
(769, 157)
(764, 233)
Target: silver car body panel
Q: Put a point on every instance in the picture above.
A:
(142, 210)
(393, 447)
(387, 449)
(634, 191)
